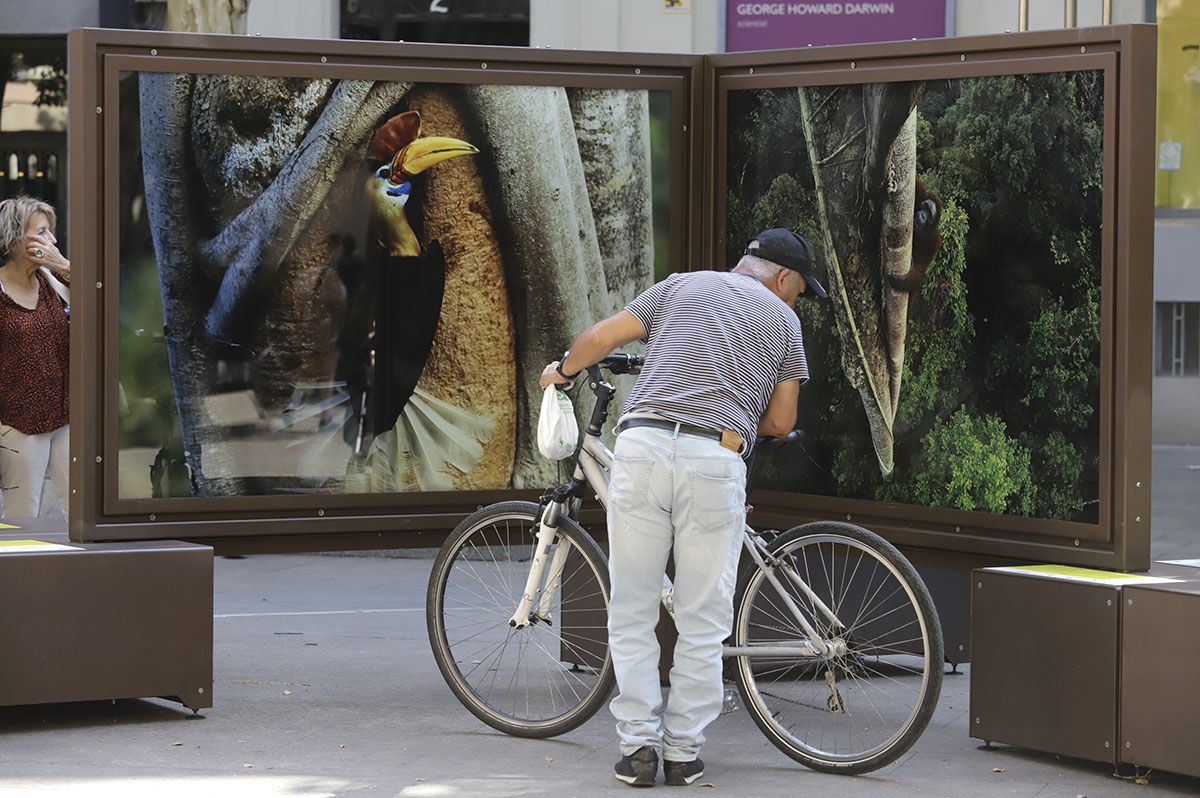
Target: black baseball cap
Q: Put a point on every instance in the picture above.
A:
(788, 249)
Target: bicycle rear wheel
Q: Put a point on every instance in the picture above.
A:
(540, 680)
(863, 704)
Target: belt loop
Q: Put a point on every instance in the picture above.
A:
(676, 436)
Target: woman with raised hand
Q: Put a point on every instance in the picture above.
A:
(34, 364)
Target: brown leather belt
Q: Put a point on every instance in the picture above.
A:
(727, 438)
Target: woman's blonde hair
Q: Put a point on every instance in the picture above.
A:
(15, 214)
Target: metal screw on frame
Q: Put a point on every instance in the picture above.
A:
(637, 71)
(99, 110)
(962, 57)
(99, 459)
(853, 65)
(153, 517)
(483, 65)
(751, 70)
(324, 60)
(99, 284)
(320, 512)
(154, 52)
(1076, 541)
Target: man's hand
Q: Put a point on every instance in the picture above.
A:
(550, 376)
(594, 344)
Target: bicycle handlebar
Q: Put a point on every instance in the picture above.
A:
(771, 442)
(621, 363)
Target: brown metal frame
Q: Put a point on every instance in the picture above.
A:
(1126, 54)
(698, 85)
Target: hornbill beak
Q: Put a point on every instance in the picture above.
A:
(424, 152)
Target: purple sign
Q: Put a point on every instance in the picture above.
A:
(771, 26)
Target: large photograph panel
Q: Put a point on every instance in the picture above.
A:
(351, 286)
(958, 222)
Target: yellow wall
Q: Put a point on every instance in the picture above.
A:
(1179, 101)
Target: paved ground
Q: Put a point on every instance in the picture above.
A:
(325, 686)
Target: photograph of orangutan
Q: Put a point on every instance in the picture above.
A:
(348, 286)
(958, 224)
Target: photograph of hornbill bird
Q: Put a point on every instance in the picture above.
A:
(415, 436)
(398, 300)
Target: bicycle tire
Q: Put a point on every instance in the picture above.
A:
(866, 667)
(504, 551)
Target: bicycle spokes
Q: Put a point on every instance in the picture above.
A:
(837, 655)
(522, 624)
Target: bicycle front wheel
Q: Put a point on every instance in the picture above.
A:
(538, 680)
(861, 697)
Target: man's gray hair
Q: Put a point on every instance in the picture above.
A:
(761, 268)
(15, 214)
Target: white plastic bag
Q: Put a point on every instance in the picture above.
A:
(558, 433)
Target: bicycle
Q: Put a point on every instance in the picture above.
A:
(836, 647)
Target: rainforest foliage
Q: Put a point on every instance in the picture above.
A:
(999, 406)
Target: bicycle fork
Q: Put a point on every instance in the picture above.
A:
(535, 591)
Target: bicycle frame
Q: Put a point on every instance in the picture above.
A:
(593, 466)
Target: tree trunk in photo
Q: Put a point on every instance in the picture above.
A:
(207, 16)
(472, 364)
(896, 254)
(612, 127)
(849, 132)
(551, 253)
(165, 101)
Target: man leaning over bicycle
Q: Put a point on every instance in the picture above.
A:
(724, 363)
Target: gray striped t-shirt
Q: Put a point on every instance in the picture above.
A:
(717, 345)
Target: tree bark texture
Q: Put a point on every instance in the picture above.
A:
(207, 16)
(896, 255)
(165, 101)
(612, 127)
(247, 250)
(849, 131)
(472, 364)
(552, 256)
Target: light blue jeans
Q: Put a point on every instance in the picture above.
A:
(684, 494)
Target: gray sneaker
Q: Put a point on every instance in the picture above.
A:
(639, 769)
(681, 774)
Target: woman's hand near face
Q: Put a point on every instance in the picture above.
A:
(42, 249)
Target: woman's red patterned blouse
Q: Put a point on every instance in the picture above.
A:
(34, 362)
